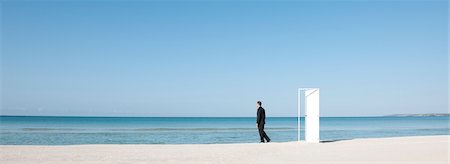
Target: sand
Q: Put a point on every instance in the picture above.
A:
(421, 149)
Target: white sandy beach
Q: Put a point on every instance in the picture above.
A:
(421, 149)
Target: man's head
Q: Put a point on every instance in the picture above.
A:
(258, 104)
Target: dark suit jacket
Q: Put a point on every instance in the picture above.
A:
(261, 116)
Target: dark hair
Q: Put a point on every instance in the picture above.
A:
(259, 103)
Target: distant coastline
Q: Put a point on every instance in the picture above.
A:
(420, 115)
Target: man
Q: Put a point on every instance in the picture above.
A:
(260, 121)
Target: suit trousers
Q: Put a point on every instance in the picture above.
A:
(262, 133)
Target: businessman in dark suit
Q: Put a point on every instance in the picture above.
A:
(260, 121)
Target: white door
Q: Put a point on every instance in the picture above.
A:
(312, 120)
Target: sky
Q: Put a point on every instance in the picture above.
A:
(217, 58)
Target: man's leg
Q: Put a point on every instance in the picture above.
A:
(264, 134)
(261, 132)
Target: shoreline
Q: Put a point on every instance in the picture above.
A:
(411, 149)
(272, 142)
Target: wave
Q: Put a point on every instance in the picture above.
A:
(155, 129)
(200, 129)
(206, 129)
(52, 129)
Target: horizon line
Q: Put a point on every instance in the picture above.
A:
(389, 115)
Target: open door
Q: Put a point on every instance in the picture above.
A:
(312, 115)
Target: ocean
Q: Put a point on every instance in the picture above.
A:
(43, 130)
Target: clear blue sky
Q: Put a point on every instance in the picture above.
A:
(140, 58)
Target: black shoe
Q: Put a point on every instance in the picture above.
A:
(268, 140)
(262, 142)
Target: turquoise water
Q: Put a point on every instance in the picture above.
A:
(24, 130)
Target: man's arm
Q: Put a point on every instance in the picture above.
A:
(258, 116)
